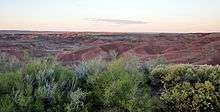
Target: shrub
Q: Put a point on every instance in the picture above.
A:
(188, 88)
(147, 68)
(188, 97)
(8, 63)
(119, 89)
(6, 104)
(9, 82)
(113, 54)
(90, 67)
(151, 64)
(76, 104)
(131, 64)
(42, 85)
(50, 83)
(121, 85)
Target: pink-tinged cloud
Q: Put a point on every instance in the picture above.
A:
(117, 21)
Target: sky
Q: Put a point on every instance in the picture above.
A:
(111, 15)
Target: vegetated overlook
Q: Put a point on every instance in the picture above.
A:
(106, 72)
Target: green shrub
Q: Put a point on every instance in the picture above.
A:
(6, 104)
(42, 85)
(153, 81)
(10, 82)
(189, 98)
(90, 67)
(50, 83)
(76, 104)
(151, 64)
(8, 63)
(132, 64)
(188, 88)
(119, 89)
(94, 66)
(121, 85)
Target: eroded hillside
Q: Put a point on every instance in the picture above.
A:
(198, 48)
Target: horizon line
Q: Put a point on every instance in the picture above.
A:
(12, 30)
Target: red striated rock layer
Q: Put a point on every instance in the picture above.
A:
(199, 48)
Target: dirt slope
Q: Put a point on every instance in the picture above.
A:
(198, 48)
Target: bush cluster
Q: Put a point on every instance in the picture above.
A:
(8, 62)
(188, 88)
(121, 85)
(41, 85)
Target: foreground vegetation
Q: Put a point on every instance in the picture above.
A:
(124, 84)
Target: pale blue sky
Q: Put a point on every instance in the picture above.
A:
(111, 15)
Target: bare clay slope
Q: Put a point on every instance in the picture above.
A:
(176, 48)
(200, 48)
